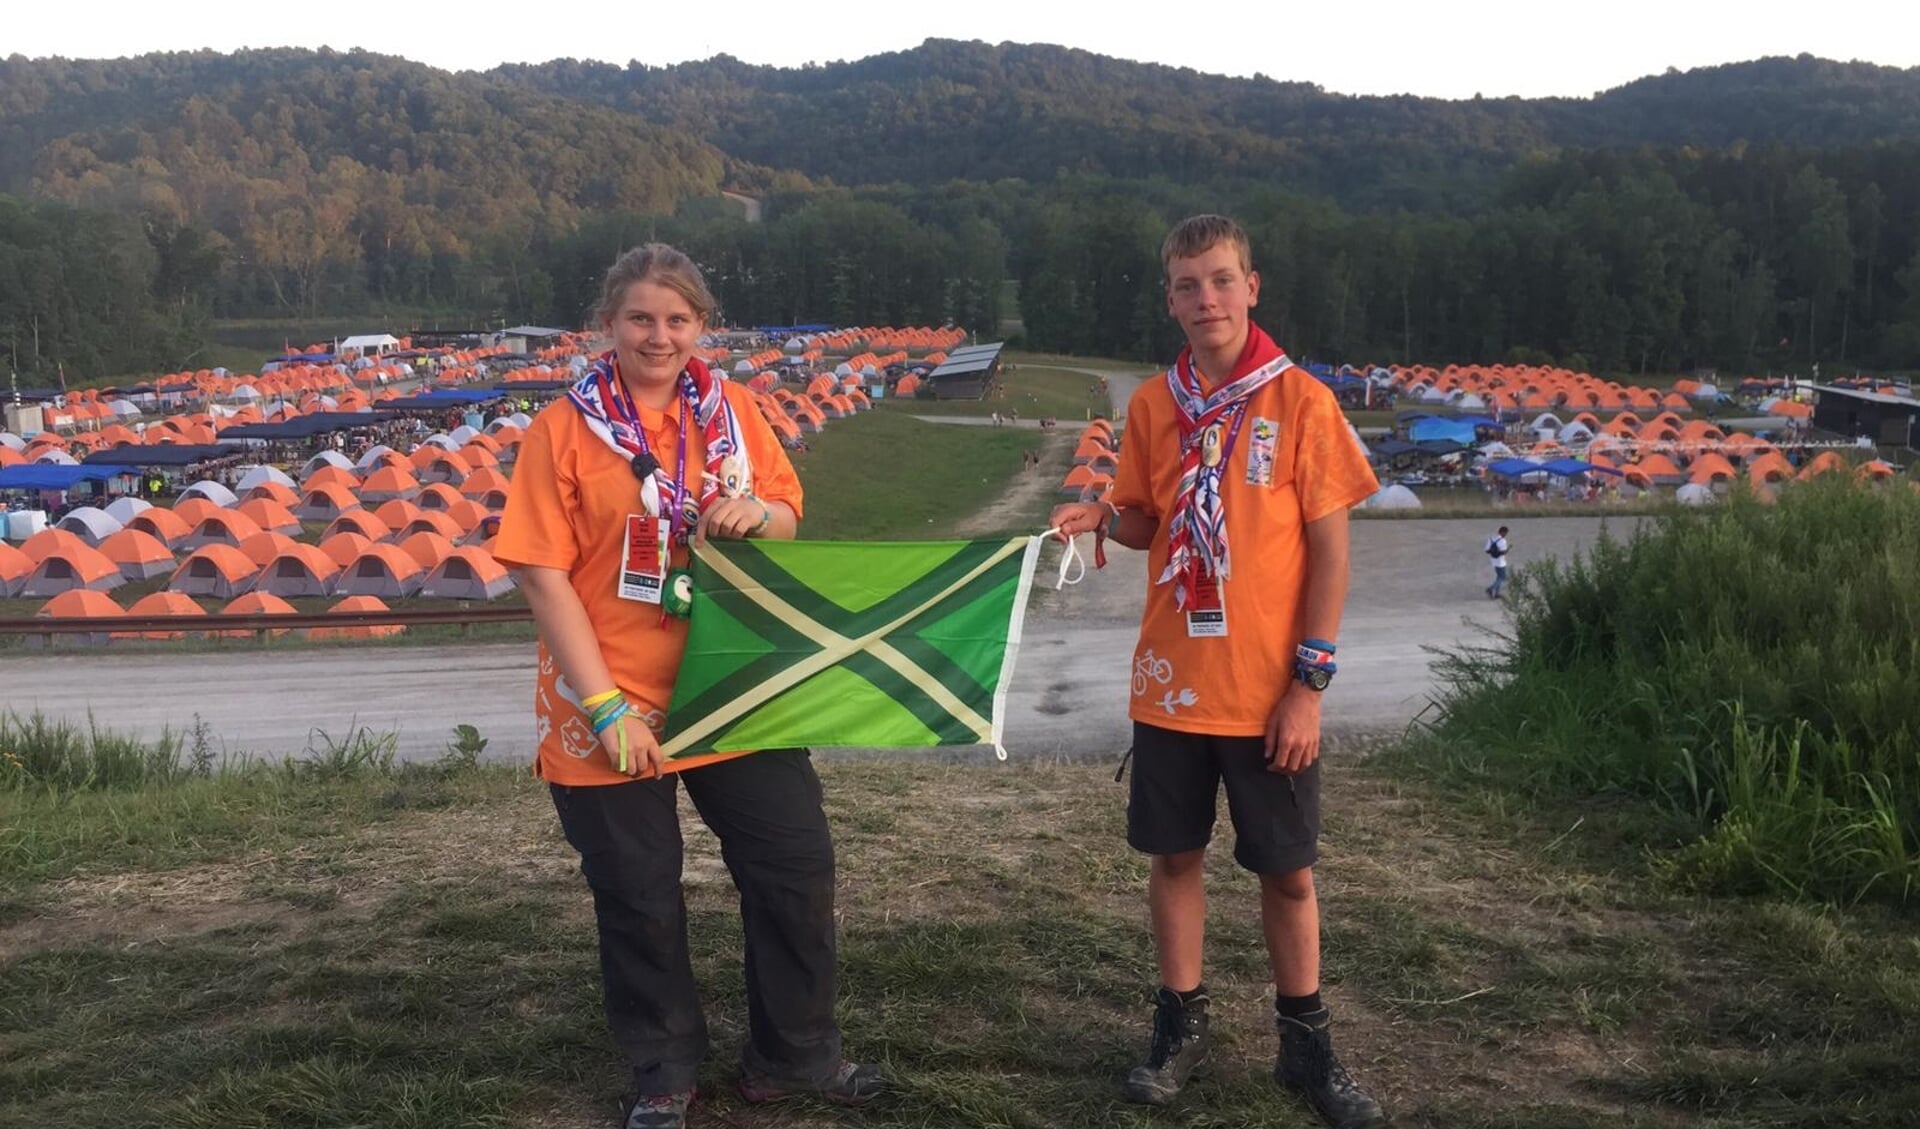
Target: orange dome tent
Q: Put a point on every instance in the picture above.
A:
(15, 566)
(217, 570)
(138, 555)
(47, 542)
(264, 546)
(395, 514)
(258, 603)
(162, 602)
(382, 570)
(63, 568)
(427, 547)
(357, 604)
(344, 548)
(363, 522)
(222, 527)
(467, 573)
(82, 603)
(325, 502)
(299, 570)
(270, 515)
(163, 525)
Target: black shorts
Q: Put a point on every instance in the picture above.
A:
(1176, 788)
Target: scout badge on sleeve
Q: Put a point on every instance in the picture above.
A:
(1260, 446)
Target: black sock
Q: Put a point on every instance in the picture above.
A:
(1199, 992)
(1293, 1007)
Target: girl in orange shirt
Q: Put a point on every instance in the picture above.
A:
(649, 451)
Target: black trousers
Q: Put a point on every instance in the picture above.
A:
(766, 811)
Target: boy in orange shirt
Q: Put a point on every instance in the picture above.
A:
(1236, 473)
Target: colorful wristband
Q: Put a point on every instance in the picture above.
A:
(1314, 652)
(600, 699)
(608, 716)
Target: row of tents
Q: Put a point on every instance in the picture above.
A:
(81, 603)
(1095, 462)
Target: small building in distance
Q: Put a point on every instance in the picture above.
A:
(967, 373)
(1888, 419)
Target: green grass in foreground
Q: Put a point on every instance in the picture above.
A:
(383, 947)
(1746, 673)
(884, 476)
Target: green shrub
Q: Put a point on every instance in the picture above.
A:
(1754, 667)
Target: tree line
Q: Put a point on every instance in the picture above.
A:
(154, 194)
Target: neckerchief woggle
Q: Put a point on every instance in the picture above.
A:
(609, 412)
(1197, 530)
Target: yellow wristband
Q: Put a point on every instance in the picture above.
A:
(599, 699)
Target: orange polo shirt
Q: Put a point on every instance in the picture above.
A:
(1294, 461)
(567, 509)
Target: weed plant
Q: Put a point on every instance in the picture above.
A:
(1753, 669)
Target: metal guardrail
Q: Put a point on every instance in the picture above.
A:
(260, 625)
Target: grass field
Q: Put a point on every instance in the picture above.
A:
(1033, 389)
(886, 476)
(349, 944)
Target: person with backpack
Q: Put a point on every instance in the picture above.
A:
(1496, 548)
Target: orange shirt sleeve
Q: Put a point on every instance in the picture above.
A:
(1133, 476)
(774, 479)
(1329, 470)
(536, 528)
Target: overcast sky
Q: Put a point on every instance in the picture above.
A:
(1451, 50)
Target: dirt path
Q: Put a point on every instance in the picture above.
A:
(1029, 493)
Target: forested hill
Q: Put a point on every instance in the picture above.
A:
(975, 111)
(419, 158)
(1750, 216)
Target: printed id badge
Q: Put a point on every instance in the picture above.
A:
(643, 559)
(1260, 445)
(1207, 610)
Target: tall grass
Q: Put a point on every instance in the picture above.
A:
(42, 753)
(1754, 668)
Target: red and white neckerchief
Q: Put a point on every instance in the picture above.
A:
(1197, 529)
(609, 413)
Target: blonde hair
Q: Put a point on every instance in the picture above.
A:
(1196, 235)
(660, 264)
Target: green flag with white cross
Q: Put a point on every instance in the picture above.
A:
(824, 643)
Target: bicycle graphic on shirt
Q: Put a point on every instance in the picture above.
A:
(1150, 668)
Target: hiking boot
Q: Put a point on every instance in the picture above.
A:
(1307, 1067)
(1180, 1040)
(657, 1111)
(851, 1084)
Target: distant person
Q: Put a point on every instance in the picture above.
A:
(647, 452)
(1496, 548)
(1235, 448)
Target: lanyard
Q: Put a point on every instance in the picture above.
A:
(675, 506)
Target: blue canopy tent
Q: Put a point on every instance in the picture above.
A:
(1569, 468)
(1515, 468)
(50, 476)
(1459, 430)
(442, 398)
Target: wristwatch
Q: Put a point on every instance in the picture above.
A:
(1313, 664)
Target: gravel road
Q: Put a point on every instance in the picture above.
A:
(1416, 584)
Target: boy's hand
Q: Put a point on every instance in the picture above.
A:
(1075, 518)
(1293, 730)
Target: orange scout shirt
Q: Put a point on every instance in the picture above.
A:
(1295, 461)
(568, 509)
